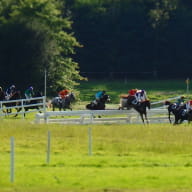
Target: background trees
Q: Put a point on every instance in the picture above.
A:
(144, 38)
(35, 36)
(132, 38)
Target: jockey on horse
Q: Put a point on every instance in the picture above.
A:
(63, 94)
(10, 92)
(140, 96)
(98, 96)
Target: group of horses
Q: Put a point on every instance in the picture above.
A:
(15, 97)
(141, 108)
(179, 113)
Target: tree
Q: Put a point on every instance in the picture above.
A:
(35, 36)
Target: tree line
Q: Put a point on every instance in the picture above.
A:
(73, 39)
(145, 38)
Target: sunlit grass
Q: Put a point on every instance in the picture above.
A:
(124, 157)
(156, 89)
(132, 158)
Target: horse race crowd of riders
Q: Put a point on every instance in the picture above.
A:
(10, 91)
(139, 95)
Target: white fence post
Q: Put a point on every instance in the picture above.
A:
(89, 141)
(22, 106)
(48, 146)
(23, 109)
(12, 158)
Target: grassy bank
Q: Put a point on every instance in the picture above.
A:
(124, 158)
(156, 89)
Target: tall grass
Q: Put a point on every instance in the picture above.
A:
(124, 158)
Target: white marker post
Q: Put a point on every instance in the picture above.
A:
(89, 141)
(12, 158)
(48, 146)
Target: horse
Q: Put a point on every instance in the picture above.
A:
(140, 107)
(179, 113)
(172, 109)
(32, 103)
(100, 104)
(16, 95)
(58, 102)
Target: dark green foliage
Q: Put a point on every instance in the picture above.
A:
(140, 37)
(33, 37)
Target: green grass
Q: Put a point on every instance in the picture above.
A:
(124, 157)
(156, 89)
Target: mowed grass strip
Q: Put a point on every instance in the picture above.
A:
(124, 157)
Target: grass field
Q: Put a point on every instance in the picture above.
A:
(156, 89)
(125, 158)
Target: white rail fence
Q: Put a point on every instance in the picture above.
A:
(22, 104)
(155, 115)
(100, 116)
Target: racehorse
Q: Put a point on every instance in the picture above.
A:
(58, 102)
(179, 113)
(16, 95)
(31, 104)
(140, 107)
(100, 104)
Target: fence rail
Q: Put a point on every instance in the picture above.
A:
(22, 104)
(100, 116)
(155, 115)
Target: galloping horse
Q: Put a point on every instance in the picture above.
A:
(100, 105)
(31, 102)
(141, 108)
(179, 112)
(64, 104)
(15, 96)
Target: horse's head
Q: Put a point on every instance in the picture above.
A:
(38, 94)
(70, 97)
(105, 98)
(167, 103)
(148, 104)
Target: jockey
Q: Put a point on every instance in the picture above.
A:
(98, 96)
(10, 91)
(29, 93)
(2, 94)
(132, 92)
(63, 93)
(180, 101)
(141, 96)
(189, 106)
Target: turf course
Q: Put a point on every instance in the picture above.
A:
(125, 158)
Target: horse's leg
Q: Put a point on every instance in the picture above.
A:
(146, 118)
(141, 115)
(176, 120)
(169, 117)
